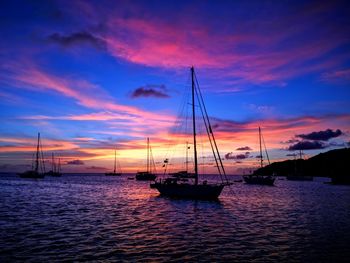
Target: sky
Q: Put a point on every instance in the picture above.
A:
(92, 76)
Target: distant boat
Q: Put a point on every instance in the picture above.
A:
(115, 172)
(183, 175)
(176, 186)
(147, 175)
(38, 171)
(258, 178)
(298, 175)
(55, 168)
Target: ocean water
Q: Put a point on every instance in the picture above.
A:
(99, 218)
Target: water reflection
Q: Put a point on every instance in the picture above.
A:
(98, 218)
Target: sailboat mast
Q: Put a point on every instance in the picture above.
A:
(261, 158)
(186, 156)
(52, 163)
(37, 154)
(115, 159)
(147, 154)
(194, 129)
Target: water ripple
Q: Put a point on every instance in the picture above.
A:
(97, 218)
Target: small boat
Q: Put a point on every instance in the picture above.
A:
(186, 185)
(38, 169)
(55, 168)
(115, 172)
(259, 178)
(147, 175)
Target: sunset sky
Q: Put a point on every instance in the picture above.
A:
(95, 75)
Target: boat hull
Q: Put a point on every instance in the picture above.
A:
(144, 176)
(54, 174)
(259, 179)
(189, 191)
(32, 175)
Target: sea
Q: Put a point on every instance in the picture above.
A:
(92, 217)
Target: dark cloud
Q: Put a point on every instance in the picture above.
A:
(150, 91)
(231, 156)
(321, 135)
(245, 148)
(77, 39)
(307, 145)
(76, 162)
(290, 141)
(291, 154)
(96, 168)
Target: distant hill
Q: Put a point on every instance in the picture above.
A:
(334, 163)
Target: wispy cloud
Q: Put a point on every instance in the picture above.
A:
(75, 162)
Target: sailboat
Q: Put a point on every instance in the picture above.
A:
(174, 187)
(39, 170)
(298, 174)
(115, 172)
(184, 174)
(147, 175)
(258, 178)
(55, 168)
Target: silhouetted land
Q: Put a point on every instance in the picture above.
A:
(334, 164)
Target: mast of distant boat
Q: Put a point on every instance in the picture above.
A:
(186, 157)
(37, 155)
(115, 160)
(261, 157)
(53, 168)
(147, 154)
(194, 130)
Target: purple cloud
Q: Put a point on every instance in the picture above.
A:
(321, 135)
(231, 156)
(307, 145)
(96, 168)
(77, 39)
(245, 148)
(150, 91)
(75, 162)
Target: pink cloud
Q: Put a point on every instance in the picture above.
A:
(85, 94)
(270, 58)
(337, 76)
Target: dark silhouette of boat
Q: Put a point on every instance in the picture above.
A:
(257, 178)
(38, 168)
(179, 186)
(55, 168)
(298, 174)
(147, 175)
(115, 172)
